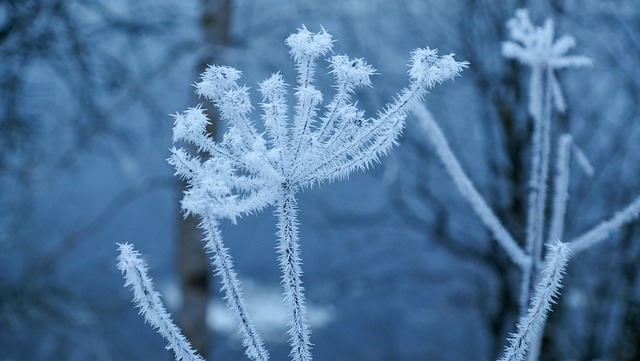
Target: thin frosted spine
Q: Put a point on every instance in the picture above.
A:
(561, 187)
(537, 198)
(290, 266)
(532, 323)
(275, 117)
(539, 163)
(379, 134)
(305, 48)
(134, 269)
(605, 228)
(466, 187)
(223, 265)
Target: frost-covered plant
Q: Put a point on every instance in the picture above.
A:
(535, 47)
(250, 169)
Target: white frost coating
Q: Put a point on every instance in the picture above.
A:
(248, 169)
(291, 267)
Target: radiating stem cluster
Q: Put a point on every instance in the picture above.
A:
(248, 171)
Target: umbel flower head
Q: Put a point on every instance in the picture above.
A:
(535, 46)
(246, 168)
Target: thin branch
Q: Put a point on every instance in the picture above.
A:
(603, 230)
(223, 264)
(147, 299)
(561, 185)
(466, 187)
(531, 324)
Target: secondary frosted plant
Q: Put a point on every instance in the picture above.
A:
(535, 47)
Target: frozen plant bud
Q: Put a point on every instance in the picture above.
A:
(187, 167)
(307, 44)
(351, 71)
(216, 79)
(429, 69)
(190, 124)
(235, 103)
(273, 85)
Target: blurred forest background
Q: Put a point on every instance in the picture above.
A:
(396, 265)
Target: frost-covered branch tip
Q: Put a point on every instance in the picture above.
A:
(603, 230)
(535, 46)
(429, 69)
(531, 324)
(134, 269)
(374, 137)
(306, 45)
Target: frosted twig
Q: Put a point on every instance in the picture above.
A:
(600, 232)
(582, 159)
(431, 129)
(357, 147)
(531, 324)
(540, 150)
(561, 185)
(134, 269)
(223, 265)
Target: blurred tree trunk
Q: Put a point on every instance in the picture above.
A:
(192, 260)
